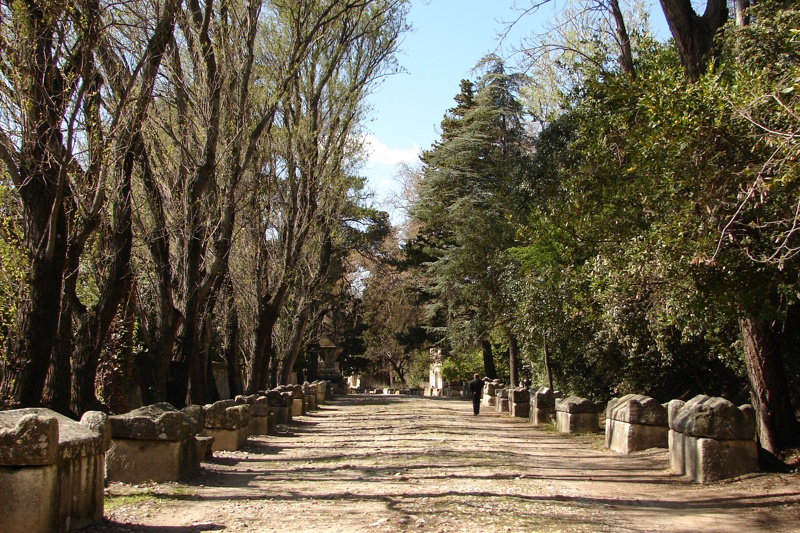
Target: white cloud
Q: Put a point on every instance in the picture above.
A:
(380, 154)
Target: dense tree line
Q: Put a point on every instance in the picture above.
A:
(624, 217)
(179, 185)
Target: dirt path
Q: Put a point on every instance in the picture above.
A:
(389, 463)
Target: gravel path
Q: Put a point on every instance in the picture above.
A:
(391, 463)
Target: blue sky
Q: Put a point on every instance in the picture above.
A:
(447, 40)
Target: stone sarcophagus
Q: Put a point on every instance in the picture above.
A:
(635, 422)
(542, 406)
(280, 405)
(260, 423)
(711, 439)
(490, 392)
(228, 423)
(576, 415)
(298, 407)
(501, 400)
(310, 396)
(519, 402)
(51, 470)
(155, 443)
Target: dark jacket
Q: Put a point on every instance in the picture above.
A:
(476, 387)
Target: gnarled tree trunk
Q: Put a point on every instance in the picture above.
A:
(769, 389)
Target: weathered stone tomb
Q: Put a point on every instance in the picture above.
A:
(490, 390)
(501, 400)
(310, 396)
(519, 402)
(711, 439)
(228, 423)
(154, 443)
(261, 422)
(280, 405)
(635, 422)
(542, 406)
(51, 470)
(576, 415)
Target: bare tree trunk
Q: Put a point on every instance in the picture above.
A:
(769, 389)
(231, 348)
(742, 19)
(513, 359)
(548, 372)
(115, 285)
(693, 34)
(623, 40)
(299, 325)
(488, 359)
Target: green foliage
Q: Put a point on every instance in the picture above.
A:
(659, 212)
(13, 263)
(465, 202)
(460, 366)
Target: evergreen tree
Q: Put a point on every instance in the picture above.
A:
(465, 201)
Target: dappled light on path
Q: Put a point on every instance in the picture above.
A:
(393, 463)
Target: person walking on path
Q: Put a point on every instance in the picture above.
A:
(476, 388)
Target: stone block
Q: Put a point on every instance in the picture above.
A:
(159, 421)
(155, 443)
(227, 439)
(280, 415)
(519, 410)
(28, 439)
(635, 422)
(29, 495)
(715, 418)
(226, 414)
(139, 461)
(577, 422)
(538, 416)
(259, 425)
(623, 437)
(43, 490)
(520, 395)
(711, 439)
(576, 415)
(298, 407)
(637, 409)
(576, 405)
(705, 460)
(501, 404)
